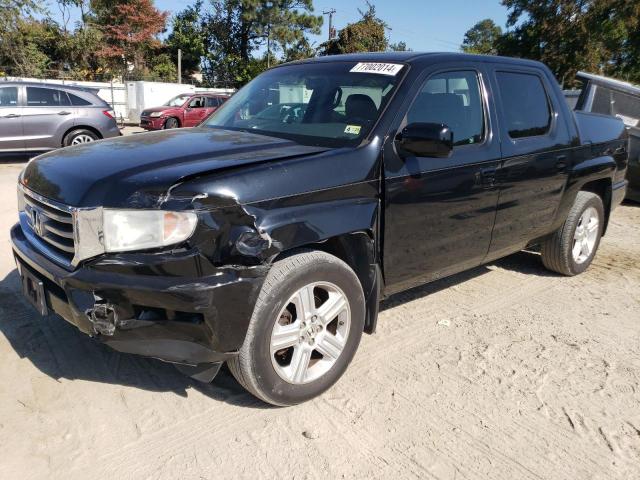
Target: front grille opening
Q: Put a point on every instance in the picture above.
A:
(152, 314)
(51, 225)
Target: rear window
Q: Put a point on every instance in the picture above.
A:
(525, 104)
(76, 101)
(46, 97)
(8, 96)
(618, 104)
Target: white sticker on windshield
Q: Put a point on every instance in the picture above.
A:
(390, 69)
(353, 129)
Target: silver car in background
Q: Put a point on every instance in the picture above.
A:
(38, 117)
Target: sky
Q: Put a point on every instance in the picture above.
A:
(425, 25)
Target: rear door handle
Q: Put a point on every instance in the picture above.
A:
(64, 112)
(561, 163)
(488, 176)
(12, 115)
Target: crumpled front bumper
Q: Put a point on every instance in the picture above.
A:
(152, 123)
(169, 314)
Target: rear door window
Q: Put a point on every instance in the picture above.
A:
(212, 102)
(524, 103)
(618, 104)
(46, 97)
(8, 97)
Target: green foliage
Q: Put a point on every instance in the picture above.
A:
(601, 36)
(365, 35)
(399, 47)
(482, 38)
(188, 35)
(233, 30)
(162, 68)
(17, 55)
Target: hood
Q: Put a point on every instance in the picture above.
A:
(164, 108)
(116, 172)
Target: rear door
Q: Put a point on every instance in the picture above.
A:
(46, 115)
(195, 112)
(211, 105)
(536, 153)
(439, 212)
(11, 131)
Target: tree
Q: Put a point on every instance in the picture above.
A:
(232, 31)
(187, 35)
(16, 57)
(129, 29)
(365, 35)
(482, 38)
(399, 47)
(568, 35)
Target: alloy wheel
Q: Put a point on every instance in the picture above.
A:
(310, 333)
(586, 235)
(82, 138)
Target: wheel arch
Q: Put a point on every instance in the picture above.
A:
(346, 228)
(80, 127)
(601, 187)
(356, 249)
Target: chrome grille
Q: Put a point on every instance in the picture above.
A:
(49, 226)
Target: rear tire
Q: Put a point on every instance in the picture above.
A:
(170, 123)
(570, 250)
(79, 136)
(304, 331)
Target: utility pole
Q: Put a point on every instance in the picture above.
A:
(269, 6)
(332, 32)
(179, 65)
(269, 45)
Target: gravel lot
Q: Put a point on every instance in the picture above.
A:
(503, 372)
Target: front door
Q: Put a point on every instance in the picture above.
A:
(195, 112)
(11, 132)
(536, 151)
(439, 212)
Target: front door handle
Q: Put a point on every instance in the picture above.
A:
(64, 112)
(12, 115)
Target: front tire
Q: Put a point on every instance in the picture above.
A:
(304, 331)
(571, 249)
(170, 123)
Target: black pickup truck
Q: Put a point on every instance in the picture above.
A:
(267, 236)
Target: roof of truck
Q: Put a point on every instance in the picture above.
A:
(418, 57)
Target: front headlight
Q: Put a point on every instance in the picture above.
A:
(126, 230)
(155, 114)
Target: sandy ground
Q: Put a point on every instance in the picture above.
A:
(503, 372)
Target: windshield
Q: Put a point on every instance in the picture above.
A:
(325, 104)
(177, 101)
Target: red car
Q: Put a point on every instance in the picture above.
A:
(185, 110)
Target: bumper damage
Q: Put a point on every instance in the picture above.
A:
(174, 311)
(152, 123)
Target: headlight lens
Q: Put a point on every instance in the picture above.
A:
(155, 114)
(126, 230)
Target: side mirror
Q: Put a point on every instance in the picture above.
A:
(425, 140)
